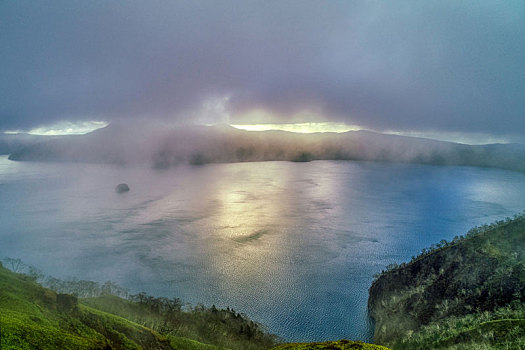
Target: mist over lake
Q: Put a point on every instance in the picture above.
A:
(293, 245)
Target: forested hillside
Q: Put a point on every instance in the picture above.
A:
(470, 291)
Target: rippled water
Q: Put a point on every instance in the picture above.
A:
(292, 245)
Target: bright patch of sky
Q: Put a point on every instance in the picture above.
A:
(79, 128)
(64, 128)
(458, 137)
(300, 127)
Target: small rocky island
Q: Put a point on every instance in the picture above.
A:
(121, 188)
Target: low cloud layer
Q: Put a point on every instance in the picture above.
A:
(422, 66)
(163, 147)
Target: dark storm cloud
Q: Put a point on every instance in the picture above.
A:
(405, 65)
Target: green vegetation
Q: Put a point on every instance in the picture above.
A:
(464, 294)
(331, 345)
(503, 328)
(36, 317)
(224, 328)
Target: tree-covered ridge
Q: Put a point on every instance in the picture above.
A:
(221, 327)
(503, 328)
(36, 317)
(478, 230)
(480, 276)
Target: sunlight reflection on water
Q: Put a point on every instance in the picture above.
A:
(293, 245)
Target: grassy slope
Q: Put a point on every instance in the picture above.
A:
(34, 317)
(468, 294)
(488, 330)
(220, 327)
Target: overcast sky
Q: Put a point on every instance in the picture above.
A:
(437, 66)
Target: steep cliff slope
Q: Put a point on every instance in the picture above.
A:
(481, 272)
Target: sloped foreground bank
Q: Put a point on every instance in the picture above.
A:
(34, 317)
(468, 293)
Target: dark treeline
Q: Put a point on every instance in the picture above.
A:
(221, 327)
(457, 239)
(76, 287)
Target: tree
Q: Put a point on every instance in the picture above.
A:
(34, 273)
(15, 265)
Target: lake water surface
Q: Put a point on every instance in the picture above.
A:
(293, 245)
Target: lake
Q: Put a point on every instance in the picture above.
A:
(293, 245)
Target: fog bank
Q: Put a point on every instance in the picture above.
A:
(160, 147)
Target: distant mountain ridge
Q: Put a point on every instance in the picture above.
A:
(164, 147)
(10, 143)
